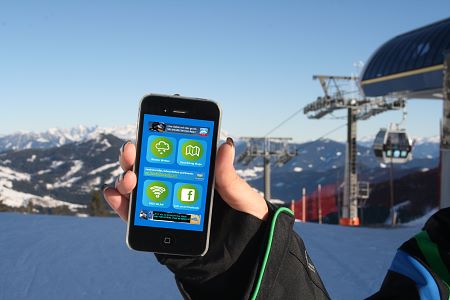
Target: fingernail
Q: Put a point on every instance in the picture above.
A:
(230, 141)
(123, 147)
(105, 187)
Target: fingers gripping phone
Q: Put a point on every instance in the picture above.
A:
(170, 208)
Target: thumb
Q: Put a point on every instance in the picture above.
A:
(235, 191)
(225, 173)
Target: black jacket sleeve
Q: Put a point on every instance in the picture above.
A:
(248, 259)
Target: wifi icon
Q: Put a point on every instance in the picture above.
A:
(157, 190)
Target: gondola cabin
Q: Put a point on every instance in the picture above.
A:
(392, 146)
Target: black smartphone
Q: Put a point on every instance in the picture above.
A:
(170, 208)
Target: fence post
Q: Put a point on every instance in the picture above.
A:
(304, 205)
(319, 192)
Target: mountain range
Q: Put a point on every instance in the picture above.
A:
(56, 137)
(64, 166)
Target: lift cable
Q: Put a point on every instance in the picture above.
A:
(330, 132)
(284, 122)
(296, 113)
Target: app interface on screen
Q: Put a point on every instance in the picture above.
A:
(173, 172)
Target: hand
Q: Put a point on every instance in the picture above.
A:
(233, 189)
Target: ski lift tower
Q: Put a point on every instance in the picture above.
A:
(277, 148)
(342, 92)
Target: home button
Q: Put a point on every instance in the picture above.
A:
(167, 240)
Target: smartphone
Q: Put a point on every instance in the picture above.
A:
(170, 208)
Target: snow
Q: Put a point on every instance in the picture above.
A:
(56, 137)
(13, 198)
(367, 139)
(250, 173)
(41, 172)
(436, 139)
(352, 262)
(126, 132)
(105, 143)
(56, 257)
(96, 181)
(56, 163)
(60, 184)
(89, 259)
(76, 166)
(116, 172)
(10, 174)
(68, 179)
(103, 168)
(92, 184)
(419, 222)
(32, 158)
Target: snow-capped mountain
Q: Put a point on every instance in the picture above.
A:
(56, 137)
(61, 175)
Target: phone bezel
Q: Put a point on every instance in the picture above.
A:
(150, 239)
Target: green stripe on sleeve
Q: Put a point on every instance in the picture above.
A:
(269, 246)
(431, 252)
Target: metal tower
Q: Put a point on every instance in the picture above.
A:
(269, 148)
(445, 139)
(342, 92)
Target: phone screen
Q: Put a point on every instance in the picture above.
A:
(173, 172)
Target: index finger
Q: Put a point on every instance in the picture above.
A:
(127, 156)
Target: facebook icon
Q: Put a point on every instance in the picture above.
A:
(187, 195)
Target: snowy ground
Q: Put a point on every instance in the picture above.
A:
(56, 257)
(352, 261)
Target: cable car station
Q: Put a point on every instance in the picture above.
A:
(413, 65)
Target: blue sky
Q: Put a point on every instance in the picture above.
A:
(65, 63)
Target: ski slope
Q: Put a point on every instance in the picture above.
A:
(58, 257)
(352, 261)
